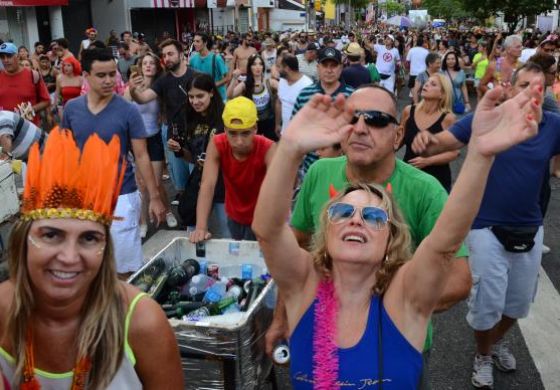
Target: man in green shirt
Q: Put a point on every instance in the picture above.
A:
(370, 157)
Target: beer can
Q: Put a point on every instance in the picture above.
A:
(281, 354)
(214, 270)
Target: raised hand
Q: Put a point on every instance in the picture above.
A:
(320, 123)
(498, 128)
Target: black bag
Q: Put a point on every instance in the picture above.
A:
(384, 76)
(516, 239)
(189, 197)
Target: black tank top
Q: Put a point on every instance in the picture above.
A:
(440, 172)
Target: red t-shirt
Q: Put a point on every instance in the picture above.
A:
(19, 88)
(242, 179)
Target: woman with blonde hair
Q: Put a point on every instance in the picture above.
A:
(66, 322)
(432, 114)
(357, 306)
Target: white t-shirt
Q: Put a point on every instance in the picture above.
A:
(417, 58)
(386, 59)
(269, 60)
(288, 94)
(85, 44)
(526, 54)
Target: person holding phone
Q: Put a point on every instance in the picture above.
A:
(149, 67)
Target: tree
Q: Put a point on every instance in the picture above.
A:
(393, 8)
(514, 10)
(446, 9)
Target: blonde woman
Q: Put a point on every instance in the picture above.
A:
(432, 114)
(66, 321)
(357, 305)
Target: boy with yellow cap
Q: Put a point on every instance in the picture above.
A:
(243, 156)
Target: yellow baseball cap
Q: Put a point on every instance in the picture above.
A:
(240, 114)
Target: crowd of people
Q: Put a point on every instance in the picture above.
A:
(257, 129)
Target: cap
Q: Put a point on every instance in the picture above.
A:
(311, 46)
(354, 49)
(391, 37)
(240, 113)
(8, 48)
(330, 53)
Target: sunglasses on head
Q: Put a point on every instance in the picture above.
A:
(374, 217)
(374, 118)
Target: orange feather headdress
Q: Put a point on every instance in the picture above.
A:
(64, 183)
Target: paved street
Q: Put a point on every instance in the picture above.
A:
(535, 342)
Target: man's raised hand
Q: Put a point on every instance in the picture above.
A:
(498, 128)
(320, 123)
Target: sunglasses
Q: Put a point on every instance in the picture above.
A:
(374, 217)
(374, 118)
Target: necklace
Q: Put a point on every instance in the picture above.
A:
(79, 379)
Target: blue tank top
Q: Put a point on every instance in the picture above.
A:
(358, 366)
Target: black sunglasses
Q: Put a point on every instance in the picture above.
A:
(374, 118)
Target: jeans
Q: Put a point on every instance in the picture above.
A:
(177, 167)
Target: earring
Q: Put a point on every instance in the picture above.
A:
(386, 259)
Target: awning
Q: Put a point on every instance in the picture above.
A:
(31, 3)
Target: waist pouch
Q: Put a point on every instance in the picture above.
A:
(517, 239)
(384, 76)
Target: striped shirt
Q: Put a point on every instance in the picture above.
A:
(304, 96)
(23, 133)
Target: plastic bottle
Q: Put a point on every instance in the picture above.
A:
(198, 284)
(236, 292)
(247, 271)
(215, 293)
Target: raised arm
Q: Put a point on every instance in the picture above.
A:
(139, 95)
(428, 144)
(206, 193)
(320, 123)
(494, 129)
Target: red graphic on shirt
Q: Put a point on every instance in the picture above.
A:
(387, 57)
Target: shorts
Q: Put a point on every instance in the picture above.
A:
(125, 233)
(155, 147)
(504, 283)
(476, 82)
(239, 231)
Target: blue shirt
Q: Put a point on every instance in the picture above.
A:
(119, 117)
(204, 65)
(514, 183)
(358, 365)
